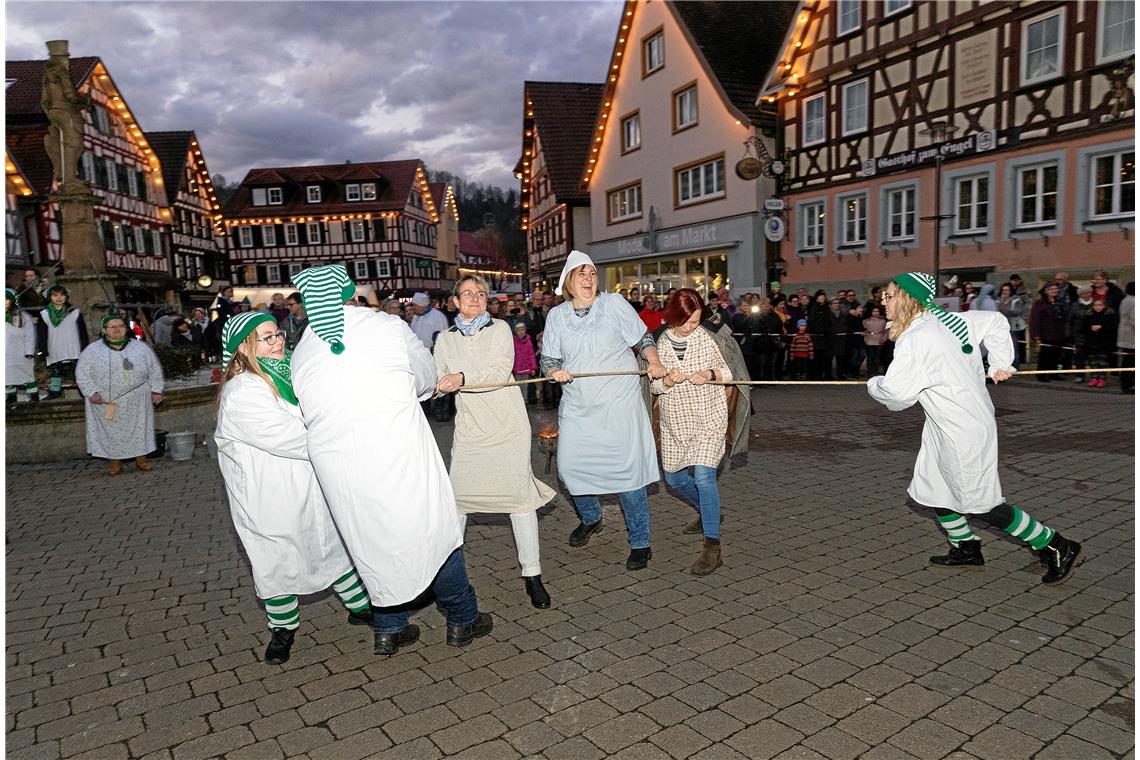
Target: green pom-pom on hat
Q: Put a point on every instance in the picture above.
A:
(324, 291)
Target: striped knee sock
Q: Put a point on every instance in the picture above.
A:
(283, 612)
(33, 391)
(956, 527)
(1024, 526)
(351, 591)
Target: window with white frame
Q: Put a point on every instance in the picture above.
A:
(88, 164)
(272, 273)
(853, 209)
(133, 185)
(352, 192)
(157, 243)
(245, 236)
(291, 234)
(361, 269)
(1042, 47)
(625, 203)
(368, 191)
(383, 268)
(654, 52)
(257, 196)
(112, 175)
(313, 232)
(1114, 184)
(102, 120)
(901, 213)
(631, 132)
(812, 218)
(855, 107)
(848, 15)
(120, 237)
(313, 194)
(140, 239)
(971, 204)
(1037, 195)
(294, 269)
(268, 235)
(1116, 30)
(700, 182)
(356, 230)
(275, 196)
(891, 7)
(685, 108)
(814, 114)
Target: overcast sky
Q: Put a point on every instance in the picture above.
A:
(291, 83)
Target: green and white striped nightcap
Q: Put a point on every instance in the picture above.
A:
(921, 286)
(324, 291)
(237, 328)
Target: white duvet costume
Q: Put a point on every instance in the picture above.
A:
(278, 510)
(374, 454)
(957, 463)
(19, 343)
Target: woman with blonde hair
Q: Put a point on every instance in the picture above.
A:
(276, 503)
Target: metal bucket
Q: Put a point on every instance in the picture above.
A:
(181, 445)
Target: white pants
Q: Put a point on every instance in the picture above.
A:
(525, 527)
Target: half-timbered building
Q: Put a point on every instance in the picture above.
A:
(558, 132)
(447, 230)
(119, 165)
(378, 218)
(678, 114)
(19, 216)
(990, 137)
(196, 216)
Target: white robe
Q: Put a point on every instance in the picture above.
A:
(127, 377)
(276, 503)
(374, 453)
(957, 463)
(19, 342)
(63, 341)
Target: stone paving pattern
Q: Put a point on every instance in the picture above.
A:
(133, 629)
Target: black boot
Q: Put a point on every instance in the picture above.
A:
(1060, 558)
(966, 554)
(360, 618)
(536, 591)
(581, 535)
(277, 652)
(390, 643)
(638, 559)
(462, 635)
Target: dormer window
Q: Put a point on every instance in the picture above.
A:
(257, 196)
(313, 194)
(368, 191)
(352, 192)
(276, 197)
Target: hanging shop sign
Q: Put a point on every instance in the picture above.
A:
(967, 146)
(775, 228)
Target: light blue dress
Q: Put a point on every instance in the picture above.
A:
(605, 442)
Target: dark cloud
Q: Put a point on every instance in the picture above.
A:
(266, 83)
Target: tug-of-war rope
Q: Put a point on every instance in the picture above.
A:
(1027, 373)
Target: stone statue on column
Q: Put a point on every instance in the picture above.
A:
(64, 109)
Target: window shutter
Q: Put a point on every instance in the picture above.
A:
(148, 244)
(122, 170)
(100, 172)
(129, 238)
(371, 269)
(108, 235)
(258, 242)
(261, 274)
(378, 230)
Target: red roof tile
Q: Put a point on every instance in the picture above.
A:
(394, 181)
(22, 97)
(171, 149)
(26, 146)
(564, 117)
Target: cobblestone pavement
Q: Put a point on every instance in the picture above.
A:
(133, 629)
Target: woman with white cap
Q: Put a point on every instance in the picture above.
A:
(490, 452)
(276, 503)
(605, 442)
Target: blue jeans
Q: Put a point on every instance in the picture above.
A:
(700, 490)
(453, 593)
(635, 507)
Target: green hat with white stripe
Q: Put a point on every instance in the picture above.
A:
(324, 291)
(920, 286)
(237, 328)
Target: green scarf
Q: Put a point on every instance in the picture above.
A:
(56, 315)
(116, 346)
(278, 371)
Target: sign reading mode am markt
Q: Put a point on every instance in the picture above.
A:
(976, 143)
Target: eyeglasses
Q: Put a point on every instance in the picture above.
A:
(476, 294)
(276, 337)
(888, 297)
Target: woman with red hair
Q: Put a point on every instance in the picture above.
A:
(694, 415)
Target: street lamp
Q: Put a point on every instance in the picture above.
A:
(938, 131)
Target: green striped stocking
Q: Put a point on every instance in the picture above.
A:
(351, 591)
(283, 612)
(956, 527)
(1029, 530)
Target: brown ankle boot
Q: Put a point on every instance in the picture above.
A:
(709, 559)
(143, 464)
(114, 467)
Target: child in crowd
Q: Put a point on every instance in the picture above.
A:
(801, 352)
(874, 336)
(61, 336)
(1098, 332)
(526, 363)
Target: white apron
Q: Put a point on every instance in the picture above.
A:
(374, 453)
(127, 377)
(276, 503)
(957, 463)
(19, 341)
(63, 341)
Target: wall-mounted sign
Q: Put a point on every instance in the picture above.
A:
(773, 204)
(975, 68)
(774, 228)
(967, 146)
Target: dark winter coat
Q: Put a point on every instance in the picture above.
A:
(1100, 341)
(1048, 321)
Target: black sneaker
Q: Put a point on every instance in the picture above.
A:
(581, 535)
(1060, 558)
(361, 618)
(277, 653)
(462, 635)
(390, 643)
(967, 554)
(638, 559)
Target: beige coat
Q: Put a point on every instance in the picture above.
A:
(693, 418)
(490, 452)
